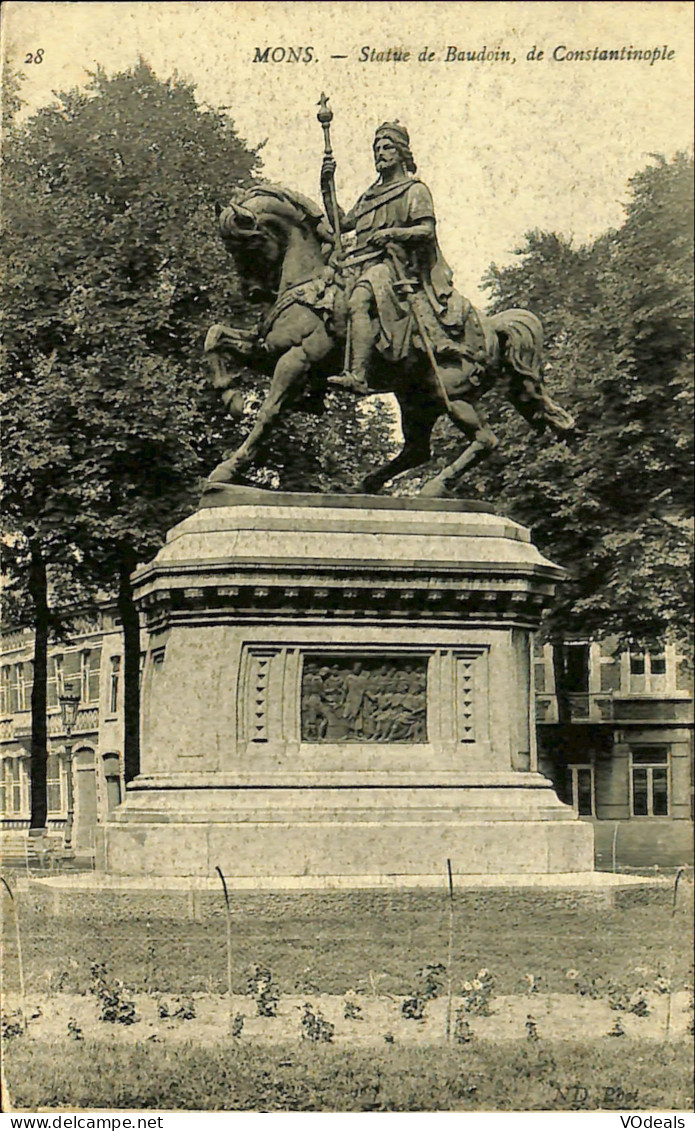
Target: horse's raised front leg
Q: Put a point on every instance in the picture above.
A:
(483, 442)
(292, 367)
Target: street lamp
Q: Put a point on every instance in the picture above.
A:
(69, 705)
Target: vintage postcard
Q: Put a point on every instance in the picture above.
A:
(346, 678)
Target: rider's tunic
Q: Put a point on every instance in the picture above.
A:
(441, 308)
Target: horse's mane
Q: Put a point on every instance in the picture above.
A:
(307, 208)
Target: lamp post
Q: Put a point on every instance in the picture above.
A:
(69, 705)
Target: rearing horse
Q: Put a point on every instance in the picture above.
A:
(279, 243)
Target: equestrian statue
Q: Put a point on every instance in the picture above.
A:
(365, 302)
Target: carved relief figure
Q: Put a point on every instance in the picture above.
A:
(365, 700)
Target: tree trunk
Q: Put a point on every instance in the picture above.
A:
(130, 622)
(38, 589)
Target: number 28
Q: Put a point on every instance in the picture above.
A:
(35, 57)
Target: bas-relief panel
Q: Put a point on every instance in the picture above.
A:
(373, 699)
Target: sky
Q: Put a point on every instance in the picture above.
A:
(504, 146)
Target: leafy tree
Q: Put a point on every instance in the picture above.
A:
(612, 503)
(114, 271)
(112, 275)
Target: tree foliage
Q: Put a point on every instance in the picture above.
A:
(612, 504)
(113, 272)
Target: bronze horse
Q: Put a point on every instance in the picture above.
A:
(281, 248)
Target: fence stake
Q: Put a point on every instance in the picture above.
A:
(450, 952)
(229, 942)
(615, 841)
(20, 960)
(674, 905)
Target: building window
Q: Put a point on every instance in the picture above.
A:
(647, 672)
(582, 787)
(90, 661)
(650, 781)
(12, 787)
(5, 690)
(114, 684)
(55, 684)
(609, 666)
(658, 663)
(576, 669)
(54, 793)
(19, 691)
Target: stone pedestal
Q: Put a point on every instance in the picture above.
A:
(341, 686)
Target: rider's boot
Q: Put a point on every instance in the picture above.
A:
(362, 338)
(351, 380)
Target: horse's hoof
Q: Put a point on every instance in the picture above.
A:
(222, 473)
(370, 486)
(207, 487)
(435, 489)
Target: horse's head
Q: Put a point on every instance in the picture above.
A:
(260, 230)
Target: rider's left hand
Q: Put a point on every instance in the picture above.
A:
(384, 237)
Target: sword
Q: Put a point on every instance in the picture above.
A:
(325, 117)
(407, 287)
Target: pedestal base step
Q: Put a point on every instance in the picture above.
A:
(333, 848)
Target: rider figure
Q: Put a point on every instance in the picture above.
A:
(394, 219)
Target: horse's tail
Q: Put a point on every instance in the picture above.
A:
(521, 346)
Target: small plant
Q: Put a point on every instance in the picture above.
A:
(638, 1003)
(389, 1038)
(532, 1033)
(662, 985)
(180, 1009)
(618, 1029)
(11, 1024)
(315, 1027)
(476, 995)
(74, 1030)
(622, 1001)
(585, 987)
(185, 1009)
(262, 989)
(237, 1026)
(431, 980)
(463, 1034)
(111, 995)
(531, 983)
(618, 999)
(413, 1008)
(352, 1010)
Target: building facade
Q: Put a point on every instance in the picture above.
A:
(91, 663)
(617, 742)
(618, 745)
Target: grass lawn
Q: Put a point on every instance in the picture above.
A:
(612, 1075)
(329, 943)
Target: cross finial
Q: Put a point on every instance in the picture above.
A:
(325, 114)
